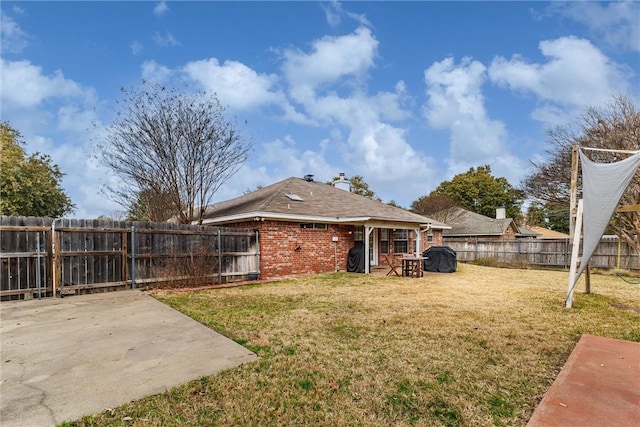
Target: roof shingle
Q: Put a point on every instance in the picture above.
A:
(319, 200)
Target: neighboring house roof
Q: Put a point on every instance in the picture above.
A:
(297, 199)
(467, 223)
(545, 233)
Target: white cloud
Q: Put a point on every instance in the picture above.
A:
(236, 85)
(576, 75)
(374, 148)
(24, 85)
(75, 120)
(334, 12)
(83, 178)
(330, 84)
(160, 8)
(332, 58)
(12, 38)
(56, 117)
(165, 40)
(279, 159)
(290, 161)
(155, 73)
(455, 103)
(615, 23)
(136, 47)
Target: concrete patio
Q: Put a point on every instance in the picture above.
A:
(65, 358)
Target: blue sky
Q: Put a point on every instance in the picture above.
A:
(406, 94)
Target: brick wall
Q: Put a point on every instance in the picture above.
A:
(437, 240)
(286, 249)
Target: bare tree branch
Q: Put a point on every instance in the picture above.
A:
(167, 145)
(614, 126)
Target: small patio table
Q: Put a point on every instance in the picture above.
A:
(412, 266)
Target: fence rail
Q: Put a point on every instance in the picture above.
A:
(611, 253)
(44, 257)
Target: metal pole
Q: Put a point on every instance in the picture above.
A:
(38, 278)
(133, 257)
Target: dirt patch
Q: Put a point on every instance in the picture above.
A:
(621, 306)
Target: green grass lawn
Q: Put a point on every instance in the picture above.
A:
(478, 347)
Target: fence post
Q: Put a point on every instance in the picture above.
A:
(38, 274)
(133, 257)
(56, 267)
(475, 249)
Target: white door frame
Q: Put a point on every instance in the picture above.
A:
(374, 249)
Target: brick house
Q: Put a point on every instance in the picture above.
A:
(306, 226)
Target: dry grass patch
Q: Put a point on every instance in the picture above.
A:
(475, 348)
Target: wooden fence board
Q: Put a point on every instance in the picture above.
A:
(83, 255)
(610, 253)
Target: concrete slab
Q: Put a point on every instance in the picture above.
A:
(65, 358)
(598, 386)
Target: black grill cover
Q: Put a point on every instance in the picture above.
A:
(441, 259)
(355, 260)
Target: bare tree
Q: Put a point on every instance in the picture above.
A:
(171, 143)
(615, 126)
(439, 207)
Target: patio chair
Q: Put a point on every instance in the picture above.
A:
(393, 265)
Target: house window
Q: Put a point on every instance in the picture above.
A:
(358, 234)
(384, 240)
(401, 241)
(314, 225)
(430, 236)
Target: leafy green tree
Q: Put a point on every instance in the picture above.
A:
(29, 185)
(151, 205)
(549, 216)
(477, 190)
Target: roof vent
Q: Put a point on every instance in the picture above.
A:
(308, 178)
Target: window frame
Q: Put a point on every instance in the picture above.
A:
(401, 241)
(384, 240)
(358, 233)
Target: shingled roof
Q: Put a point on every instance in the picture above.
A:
(467, 223)
(297, 199)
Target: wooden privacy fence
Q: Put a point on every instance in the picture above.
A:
(611, 253)
(44, 257)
